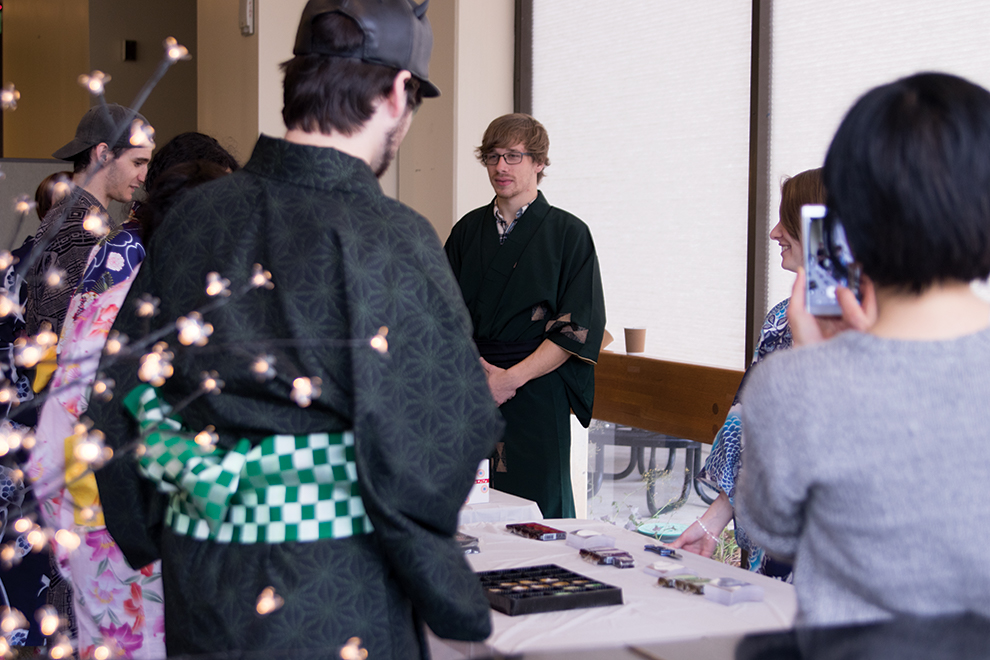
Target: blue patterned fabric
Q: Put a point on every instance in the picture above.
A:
(722, 467)
(115, 259)
(775, 335)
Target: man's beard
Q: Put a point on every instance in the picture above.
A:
(389, 149)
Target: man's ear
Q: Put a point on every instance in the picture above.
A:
(397, 99)
(102, 153)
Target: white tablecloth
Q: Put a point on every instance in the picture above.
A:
(501, 507)
(649, 613)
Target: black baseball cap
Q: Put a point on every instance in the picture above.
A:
(396, 33)
(98, 125)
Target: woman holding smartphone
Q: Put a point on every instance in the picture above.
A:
(884, 429)
(722, 466)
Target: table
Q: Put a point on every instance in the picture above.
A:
(501, 507)
(649, 613)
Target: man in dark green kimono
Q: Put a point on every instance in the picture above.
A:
(318, 499)
(530, 278)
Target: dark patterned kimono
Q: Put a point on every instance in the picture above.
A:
(68, 251)
(542, 283)
(345, 261)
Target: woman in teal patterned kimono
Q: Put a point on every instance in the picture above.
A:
(722, 467)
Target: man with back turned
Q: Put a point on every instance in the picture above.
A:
(352, 411)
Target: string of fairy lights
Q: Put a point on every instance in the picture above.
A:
(155, 367)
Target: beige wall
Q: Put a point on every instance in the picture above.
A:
(171, 105)
(277, 23)
(485, 56)
(48, 43)
(44, 63)
(240, 94)
(239, 87)
(227, 83)
(472, 63)
(426, 168)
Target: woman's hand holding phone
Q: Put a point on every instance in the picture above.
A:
(807, 329)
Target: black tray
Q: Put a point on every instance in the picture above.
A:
(545, 590)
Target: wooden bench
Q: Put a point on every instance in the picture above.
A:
(655, 404)
(680, 400)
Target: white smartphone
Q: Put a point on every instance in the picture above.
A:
(828, 261)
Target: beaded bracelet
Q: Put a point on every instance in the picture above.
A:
(705, 530)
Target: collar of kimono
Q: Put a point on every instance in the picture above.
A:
(519, 213)
(505, 227)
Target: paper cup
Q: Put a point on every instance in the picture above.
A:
(635, 340)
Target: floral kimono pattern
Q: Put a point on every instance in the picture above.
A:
(114, 605)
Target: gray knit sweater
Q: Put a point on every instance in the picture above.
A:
(867, 460)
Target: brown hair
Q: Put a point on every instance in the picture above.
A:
(326, 94)
(509, 130)
(45, 196)
(795, 192)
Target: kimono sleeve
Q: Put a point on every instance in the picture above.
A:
(579, 324)
(454, 247)
(423, 418)
(133, 509)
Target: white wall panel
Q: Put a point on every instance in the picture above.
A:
(827, 53)
(647, 106)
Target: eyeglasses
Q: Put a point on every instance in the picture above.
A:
(511, 158)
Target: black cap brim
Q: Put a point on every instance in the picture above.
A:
(429, 90)
(74, 148)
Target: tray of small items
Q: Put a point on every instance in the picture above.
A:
(547, 588)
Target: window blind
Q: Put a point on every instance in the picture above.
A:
(826, 54)
(647, 106)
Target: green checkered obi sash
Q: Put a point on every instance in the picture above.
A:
(287, 488)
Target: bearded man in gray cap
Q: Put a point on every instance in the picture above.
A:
(354, 412)
(106, 166)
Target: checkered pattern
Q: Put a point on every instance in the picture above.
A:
(287, 488)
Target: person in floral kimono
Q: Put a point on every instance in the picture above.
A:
(114, 605)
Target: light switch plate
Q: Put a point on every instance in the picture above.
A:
(247, 17)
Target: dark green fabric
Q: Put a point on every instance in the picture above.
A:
(542, 283)
(345, 261)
